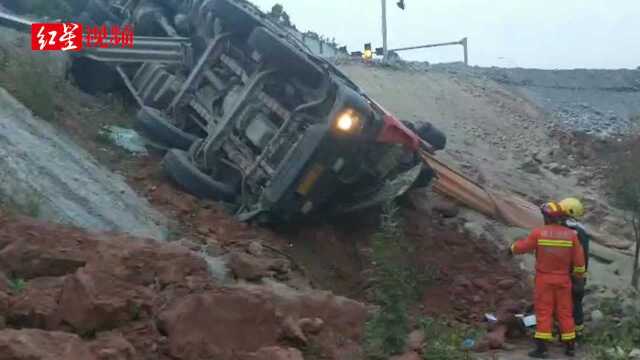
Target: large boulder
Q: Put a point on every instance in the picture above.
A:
(245, 319)
(96, 301)
(36, 306)
(112, 346)
(218, 323)
(275, 353)
(42, 345)
(129, 280)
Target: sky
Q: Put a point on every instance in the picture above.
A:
(546, 34)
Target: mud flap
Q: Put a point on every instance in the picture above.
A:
(392, 189)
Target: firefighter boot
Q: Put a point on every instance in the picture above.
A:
(540, 352)
(570, 349)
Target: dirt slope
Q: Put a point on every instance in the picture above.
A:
(503, 140)
(41, 165)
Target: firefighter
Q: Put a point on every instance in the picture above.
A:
(558, 255)
(574, 210)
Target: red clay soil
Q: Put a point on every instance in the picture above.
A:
(472, 275)
(106, 296)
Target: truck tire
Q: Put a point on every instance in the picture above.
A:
(155, 125)
(432, 135)
(180, 169)
(94, 77)
(279, 54)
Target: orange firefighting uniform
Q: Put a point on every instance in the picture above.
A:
(557, 251)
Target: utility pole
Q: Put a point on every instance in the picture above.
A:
(384, 30)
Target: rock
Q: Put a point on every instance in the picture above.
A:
(558, 169)
(293, 332)
(120, 284)
(37, 305)
(255, 249)
(29, 257)
(531, 166)
(278, 353)
(213, 248)
(496, 338)
(475, 230)
(506, 284)
(483, 284)
(215, 324)
(630, 307)
(42, 345)
(190, 244)
(248, 267)
(597, 316)
(412, 355)
(311, 326)
(634, 354)
(112, 346)
(96, 301)
(415, 341)
(446, 208)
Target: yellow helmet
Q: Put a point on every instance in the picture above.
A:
(572, 207)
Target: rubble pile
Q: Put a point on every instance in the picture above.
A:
(67, 294)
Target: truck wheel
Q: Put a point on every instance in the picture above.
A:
(154, 124)
(94, 77)
(278, 53)
(179, 168)
(432, 135)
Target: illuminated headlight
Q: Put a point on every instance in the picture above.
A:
(348, 121)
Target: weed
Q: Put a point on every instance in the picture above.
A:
(445, 341)
(313, 352)
(88, 334)
(29, 77)
(30, 205)
(136, 312)
(396, 287)
(17, 285)
(617, 336)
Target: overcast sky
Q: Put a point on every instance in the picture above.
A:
(549, 34)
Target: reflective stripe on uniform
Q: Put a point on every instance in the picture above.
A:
(568, 336)
(579, 269)
(543, 336)
(555, 243)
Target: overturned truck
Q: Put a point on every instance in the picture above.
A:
(250, 115)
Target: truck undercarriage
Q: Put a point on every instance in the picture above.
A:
(252, 117)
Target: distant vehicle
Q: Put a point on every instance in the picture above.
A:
(252, 117)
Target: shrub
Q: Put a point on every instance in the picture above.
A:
(625, 188)
(30, 78)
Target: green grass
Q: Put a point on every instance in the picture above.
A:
(30, 79)
(30, 205)
(397, 285)
(444, 341)
(617, 335)
(17, 285)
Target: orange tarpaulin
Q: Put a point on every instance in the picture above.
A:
(508, 208)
